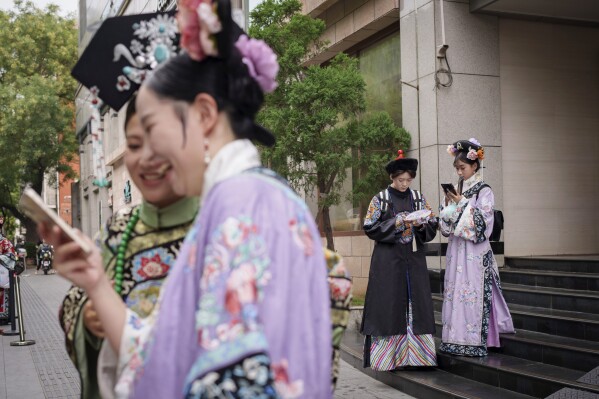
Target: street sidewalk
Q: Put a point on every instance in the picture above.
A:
(353, 384)
(44, 370)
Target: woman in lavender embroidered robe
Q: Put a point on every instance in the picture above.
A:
(246, 306)
(249, 290)
(474, 310)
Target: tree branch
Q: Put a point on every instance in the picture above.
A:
(329, 184)
(14, 210)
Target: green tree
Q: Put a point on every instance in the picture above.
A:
(318, 113)
(376, 139)
(39, 48)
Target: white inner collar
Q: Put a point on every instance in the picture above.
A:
(232, 159)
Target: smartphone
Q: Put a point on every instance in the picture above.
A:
(34, 207)
(447, 187)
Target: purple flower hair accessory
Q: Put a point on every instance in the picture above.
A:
(260, 60)
(475, 141)
(451, 150)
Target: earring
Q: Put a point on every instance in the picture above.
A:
(206, 153)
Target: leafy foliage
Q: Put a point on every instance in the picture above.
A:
(39, 47)
(318, 114)
(375, 138)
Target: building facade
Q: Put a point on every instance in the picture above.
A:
(57, 192)
(96, 205)
(520, 76)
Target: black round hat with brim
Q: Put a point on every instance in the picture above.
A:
(401, 163)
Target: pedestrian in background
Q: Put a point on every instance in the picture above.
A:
(398, 320)
(6, 247)
(474, 310)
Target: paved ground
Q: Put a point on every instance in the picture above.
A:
(44, 371)
(353, 384)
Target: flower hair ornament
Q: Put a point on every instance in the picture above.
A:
(472, 147)
(160, 34)
(261, 62)
(118, 58)
(199, 25)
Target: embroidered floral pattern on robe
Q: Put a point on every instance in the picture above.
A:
(236, 261)
(471, 287)
(248, 378)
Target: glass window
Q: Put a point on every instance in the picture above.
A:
(380, 65)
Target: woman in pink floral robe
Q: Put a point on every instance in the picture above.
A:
(474, 310)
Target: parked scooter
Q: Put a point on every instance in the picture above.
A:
(21, 256)
(45, 257)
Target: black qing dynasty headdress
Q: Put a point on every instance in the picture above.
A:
(115, 63)
(401, 163)
(122, 53)
(473, 149)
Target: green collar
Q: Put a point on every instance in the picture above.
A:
(179, 213)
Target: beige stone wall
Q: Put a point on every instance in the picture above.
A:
(356, 252)
(550, 130)
(350, 22)
(470, 107)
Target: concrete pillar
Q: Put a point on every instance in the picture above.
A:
(470, 107)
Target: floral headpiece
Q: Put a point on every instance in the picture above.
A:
(160, 35)
(199, 24)
(118, 58)
(474, 150)
(123, 51)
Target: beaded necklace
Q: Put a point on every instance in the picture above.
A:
(120, 254)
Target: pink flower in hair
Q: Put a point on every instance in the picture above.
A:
(189, 26)
(198, 21)
(472, 155)
(260, 60)
(208, 18)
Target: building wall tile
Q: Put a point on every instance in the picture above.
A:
(471, 107)
(473, 39)
(364, 15)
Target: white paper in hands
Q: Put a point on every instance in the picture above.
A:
(418, 217)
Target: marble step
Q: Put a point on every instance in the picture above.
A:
(432, 383)
(578, 325)
(552, 298)
(514, 373)
(562, 264)
(564, 352)
(545, 278)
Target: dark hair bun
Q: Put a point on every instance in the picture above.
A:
(226, 78)
(230, 32)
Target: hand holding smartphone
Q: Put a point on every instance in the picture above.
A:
(35, 208)
(448, 187)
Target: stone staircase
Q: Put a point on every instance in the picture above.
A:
(555, 352)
